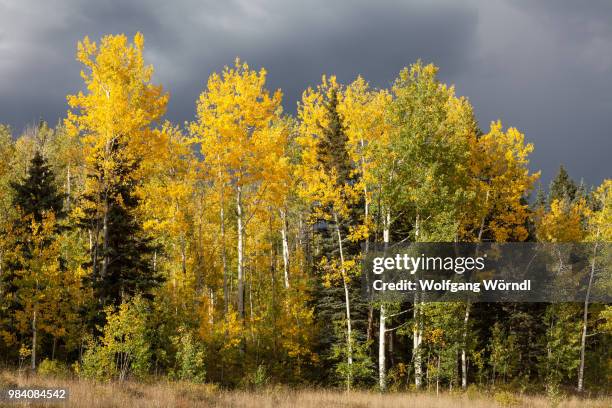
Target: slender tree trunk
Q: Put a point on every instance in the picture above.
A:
(438, 377)
(585, 317)
(417, 339)
(240, 248)
(391, 353)
(349, 334)
(464, 367)
(366, 219)
(183, 256)
(34, 339)
(386, 222)
(250, 272)
(105, 258)
(285, 239)
(224, 256)
(466, 317)
(68, 188)
(417, 331)
(382, 369)
(211, 310)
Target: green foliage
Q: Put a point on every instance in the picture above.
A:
(562, 343)
(38, 193)
(257, 378)
(53, 368)
(97, 363)
(507, 399)
(122, 260)
(124, 347)
(190, 357)
(433, 130)
(562, 187)
(362, 368)
(503, 350)
(332, 147)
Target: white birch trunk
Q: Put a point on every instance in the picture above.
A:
(585, 321)
(34, 339)
(240, 254)
(417, 331)
(349, 334)
(382, 369)
(285, 247)
(464, 368)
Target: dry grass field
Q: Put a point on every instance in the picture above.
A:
(86, 394)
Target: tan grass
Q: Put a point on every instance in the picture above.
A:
(88, 394)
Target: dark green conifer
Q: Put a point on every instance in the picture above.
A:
(333, 156)
(37, 193)
(562, 187)
(332, 151)
(128, 251)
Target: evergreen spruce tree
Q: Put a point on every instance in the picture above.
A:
(332, 146)
(562, 187)
(122, 255)
(540, 200)
(37, 193)
(34, 197)
(333, 156)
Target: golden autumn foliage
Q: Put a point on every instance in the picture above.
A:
(600, 221)
(257, 223)
(563, 223)
(120, 102)
(501, 179)
(237, 126)
(113, 117)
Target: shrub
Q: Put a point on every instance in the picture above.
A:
(506, 399)
(53, 368)
(98, 363)
(124, 348)
(362, 368)
(257, 378)
(189, 358)
(554, 394)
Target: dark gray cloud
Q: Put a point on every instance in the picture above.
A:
(543, 67)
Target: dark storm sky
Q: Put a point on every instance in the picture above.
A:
(544, 67)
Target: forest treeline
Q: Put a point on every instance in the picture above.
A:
(228, 249)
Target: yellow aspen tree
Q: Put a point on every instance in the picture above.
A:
(113, 117)
(363, 112)
(235, 127)
(498, 211)
(563, 223)
(168, 198)
(501, 182)
(38, 283)
(599, 230)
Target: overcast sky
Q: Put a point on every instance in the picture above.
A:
(544, 67)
